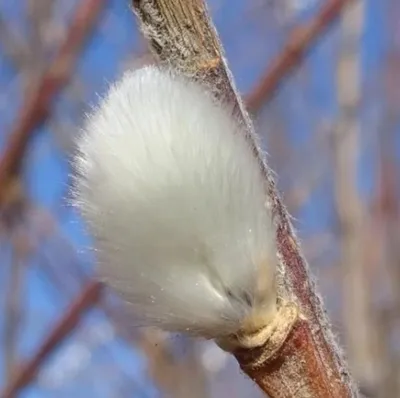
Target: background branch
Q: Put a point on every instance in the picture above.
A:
(350, 209)
(38, 103)
(299, 42)
(69, 321)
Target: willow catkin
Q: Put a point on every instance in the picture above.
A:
(172, 193)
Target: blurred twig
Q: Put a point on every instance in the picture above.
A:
(38, 103)
(85, 300)
(30, 58)
(384, 235)
(34, 112)
(13, 46)
(356, 290)
(40, 17)
(299, 42)
(12, 313)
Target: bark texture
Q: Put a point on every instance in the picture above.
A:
(305, 360)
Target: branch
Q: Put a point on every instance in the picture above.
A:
(358, 320)
(13, 46)
(13, 311)
(87, 299)
(38, 103)
(301, 357)
(31, 63)
(299, 42)
(34, 112)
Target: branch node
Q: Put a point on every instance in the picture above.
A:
(271, 337)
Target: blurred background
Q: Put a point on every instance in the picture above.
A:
(331, 129)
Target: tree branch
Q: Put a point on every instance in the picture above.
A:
(37, 105)
(301, 358)
(34, 112)
(13, 311)
(361, 340)
(86, 300)
(299, 42)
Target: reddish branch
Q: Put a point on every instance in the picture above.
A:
(301, 357)
(34, 112)
(39, 100)
(299, 42)
(89, 297)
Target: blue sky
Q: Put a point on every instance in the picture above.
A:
(46, 171)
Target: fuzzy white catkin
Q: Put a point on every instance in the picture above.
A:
(172, 193)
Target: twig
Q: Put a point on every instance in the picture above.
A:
(13, 311)
(36, 107)
(87, 299)
(13, 46)
(351, 215)
(299, 42)
(31, 63)
(301, 358)
(34, 112)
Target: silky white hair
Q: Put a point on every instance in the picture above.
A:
(175, 199)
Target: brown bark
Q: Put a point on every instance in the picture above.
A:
(309, 360)
(292, 371)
